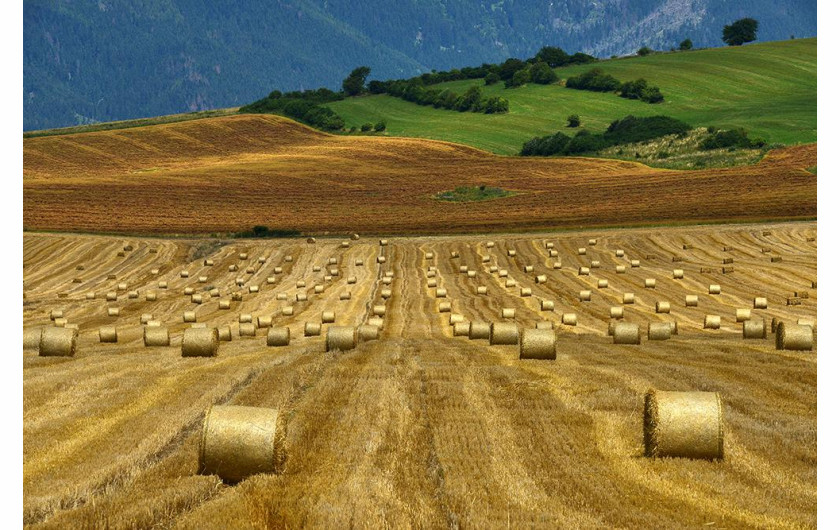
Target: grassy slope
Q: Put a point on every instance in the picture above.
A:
(769, 88)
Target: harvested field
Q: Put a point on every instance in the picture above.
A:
(419, 427)
(232, 173)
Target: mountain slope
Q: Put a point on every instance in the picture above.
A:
(120, 59)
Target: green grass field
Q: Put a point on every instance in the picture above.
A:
(769, 88)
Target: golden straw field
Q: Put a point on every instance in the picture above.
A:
(418, 428)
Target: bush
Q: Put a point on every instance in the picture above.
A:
(519, 78)
(542, 74)
(546, 145)
(740, 31)
(639, 89)
(595, 80)
(644, 50)
(367, 127)
(631, 129)
(732, 139)
(686, 45)
(380, 126)
(573, 120)
(492, 78)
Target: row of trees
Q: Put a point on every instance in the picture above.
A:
(470, 101)
(306, 106)
(597, 80)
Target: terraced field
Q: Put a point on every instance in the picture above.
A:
(419, 427)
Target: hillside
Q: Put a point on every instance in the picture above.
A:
(231, 173)
(121, 59)
(769, 88)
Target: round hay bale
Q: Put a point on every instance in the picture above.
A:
(429, 255)
(528, 268)
(538, 344)
(490, 244)
(508, 312)
(471, 273)
(245, 318)
(793, 337)
(479, 330)
(583, 271)
(542, 278)
(351, 280)
(461, 329)
(611, 327)
(111, 296)
(224, 333)
(60, 322)
(603, 284)
(755, 329)
(319, 289)
(233, 268)
(659, 331)
(243, 256)
(582, 251)
(247, 330)
(679, 274)
(214, 293)
(431, 283)
(238, 442)
(511, 253)
(197, 299)
(185, 274)
(380, 259)
(553, 253)
(627, 333)
(56, 313)
(151, 296)
(759, 303)
(594, 264)
(32, 338)
(593, 242)
(683, 425)
(544, 324)
(189, 316)
(133, 295)
(503, 273)
(367, 332)
(620, 269)
(463, 268)
(316, 268)
(728, 261)
(650, 283)
(386, 294)
(506, 333)
(549, 244)
(714, 289)
(525, 292)
(691, 300)
(202, 279)
(189, 291)
(629, 298)
(251, 289)
(569, 319)
(287, 259)
(327, 317)
(485, 259)
(376, 321)
(108, 334)
(355, 237)
(557, 265)
(383, 242)
(155, 336)
(742, 315)
(282, 296)
(209, 262)
(585, 295)
(341, 338)
(287, 311)
(302, 297)
(619, 253)
(145, 318)
(547, 305)
(663, 307)
(200, 342)
(481, 289)
(494, 269)
(510, 282)
(264, 321)
(634, 263)
(455, 318)
(617, 312)
(278, 270)
(711, 322)
(224, 304)
(300, 284)
(440, 293)
(311, 329)
(431, 273)
(278, 336)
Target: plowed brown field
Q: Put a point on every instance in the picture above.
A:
(231, 173)
(418, 428)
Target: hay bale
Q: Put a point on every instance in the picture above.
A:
(471, 273)
(202, 279)
(238, 442)
(627, 333)
(247, 330)
(727, 261)
(440, 293)
(549, 244)
(755, 329)
(663, 307)
(504, 333)
(538, 344)
(386, 294)
(585, 295)
(351, 280)
(319, 289)
(189, 316)
(490, 244)
(376, 321)
(343, 296)
(200, 342)
(593, 242)
(525, 292)
(151, 296)
(794, 337)
(214, 293)
(542, 278)
(224, 304)
(569, 319)
(287, 311)
(595, 264)
(494, 269)
(650, 283)
(239, 282)
(429, 255)
(278, 270)
(341, 338)
(243, 256)
(793, 301)
(508, 312)
(278, 336)
(603, 284)
(185, 274)
(503, 273)
(252, 289)
(233, 268)
(302, 297)
(224, 333)
(282, 296)
(383, 242)
(678, 274)
(528, 268)
(683, 425)
(300, 284)
(629, 298)
(634, 263)
(553, 253)
(359, 263)
(245, 318)
(189, 291)
(481, 289)
(714, 289)
(76, 280)
(108, 334)
(546, 305)
(355, 237)
(287, 259)
(145, 318)
(271, 280)
(367, 332)
(691, 300)
(620, 269)
(154, 336)
(801, 294)
(197, 299)
(380, 259)
(583, 271)
(659, 331)
(264, 321)
(479, 330)
(557, 265)
(455, 318)
(619, 253)
(463, 269)
(711, 322)
(122, 286)
(32, 338)
(617, 312)
(431, 283)
(728, 270)
(742, 315)
(311, 329)
(56, 313)
(582, 251)
(60, 322)
(431, 273)
(510, 282)
(544, 324)
(511, 253)
(775, 259)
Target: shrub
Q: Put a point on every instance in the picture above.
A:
(380, 126)
(545, 146)
(519, 78)
(542, 74)
(731, 139)
(573, 120)
(644, 50)
(595, 80)
(686, 45)
(631, 129)
(367, 127)
(639, 89)
(492, 78)
(740, 31)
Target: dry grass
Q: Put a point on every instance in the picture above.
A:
(419, 428)
(232, 173)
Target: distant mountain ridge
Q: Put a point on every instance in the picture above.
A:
(121, 59)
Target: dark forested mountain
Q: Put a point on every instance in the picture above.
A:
(88, 61)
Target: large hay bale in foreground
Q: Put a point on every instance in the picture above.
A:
(238, 442)
(538, 344)
(479, 330)
(794, 337)
(155, 336)
(755, 329)
(627, 333)
(341, 338)
(504, 333)
(278, 336)
(58, 342)
(683, 424)
(659, 331)
(200, 342)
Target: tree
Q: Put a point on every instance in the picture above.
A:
(510, 67)
(644, 50)
(492, 78)
(553, 56)
(541, 73)
(366, 127)
(686, 45)
(354, 84)
(519, 78)
(573, 120)
(740, 31)
(380, 126)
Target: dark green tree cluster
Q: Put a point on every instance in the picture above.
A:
(734, 138)
(470, 101)
(303, 106)
(686, 45)
(740, 32)
(639, 89)
(624, 131)
(598, 81)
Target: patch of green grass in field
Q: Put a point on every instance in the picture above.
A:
(473, 194)
(812, 169)
(770, 89)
